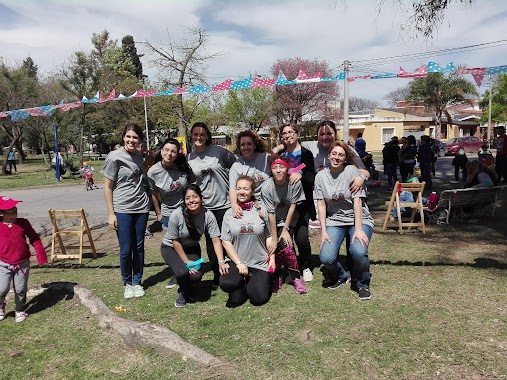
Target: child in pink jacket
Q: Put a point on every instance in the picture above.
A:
(15, 256)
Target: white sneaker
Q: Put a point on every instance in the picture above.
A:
(307, 275)
(20, 316)
(129, 291)
(2, 311)
(138, 291)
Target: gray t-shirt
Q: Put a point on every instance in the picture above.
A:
(168, 183)
(278, 198)
(334, 189)
(129, 190)
(211, 170)
(321, 155)
(258, 168)
(205, 222)
(248, 235)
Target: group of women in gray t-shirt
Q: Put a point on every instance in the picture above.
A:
(237, 207)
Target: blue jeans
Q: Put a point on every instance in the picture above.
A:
(131, 228)
(359, 255)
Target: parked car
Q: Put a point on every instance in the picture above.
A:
(460, 145)
(442, 147)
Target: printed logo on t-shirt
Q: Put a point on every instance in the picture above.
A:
(206, 171)
(246, 229)
(338, 196)
(175, 186)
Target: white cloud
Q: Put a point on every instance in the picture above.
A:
(253, 35)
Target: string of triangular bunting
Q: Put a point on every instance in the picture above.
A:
(255, 82)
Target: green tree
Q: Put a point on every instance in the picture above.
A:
(130, 52)
(19, 89)
(498, 102)
(438, 91)
(253, 106)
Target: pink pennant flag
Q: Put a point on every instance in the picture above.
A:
(477, 73)
(143, 93)
(111, 96)
(36, 111)
(259, 82)
(179, 90)
(68, 106)
(3, 114)
(419, 73)
(224, 86)
(304, 78)
(352, 79)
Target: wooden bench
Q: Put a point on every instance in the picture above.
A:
(456, 199)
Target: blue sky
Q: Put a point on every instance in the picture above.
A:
(254, 34)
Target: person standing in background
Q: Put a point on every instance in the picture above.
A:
(501, 153)
(11, 160)
(360, 145)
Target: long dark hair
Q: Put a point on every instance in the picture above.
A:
(133, 127)
(180, 162)
(192, 229)
(260, 145)
(202, 125)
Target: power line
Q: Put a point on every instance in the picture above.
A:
(411, 57)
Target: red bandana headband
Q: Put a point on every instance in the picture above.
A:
(280, 162)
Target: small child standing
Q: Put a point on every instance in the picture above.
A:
(15, 256)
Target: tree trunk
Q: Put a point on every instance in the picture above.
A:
(182, 130)
(137, 333)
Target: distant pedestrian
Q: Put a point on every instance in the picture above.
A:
(11, 160)
(360, 145)
(408, 154)
(425, 158)
(390, 157)
(460, 162)
(15, 256)
(501, 153)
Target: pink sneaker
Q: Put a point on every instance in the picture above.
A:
(299, 285)
(276, 284)
(20, 316)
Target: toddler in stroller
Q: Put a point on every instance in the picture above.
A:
(87, 171)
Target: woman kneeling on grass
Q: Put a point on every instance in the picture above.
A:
(246, 275)
(180, 245)
(342, 212)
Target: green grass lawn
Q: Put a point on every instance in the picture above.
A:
(35, 172)
(438, 311)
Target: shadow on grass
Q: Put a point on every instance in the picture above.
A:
(48, 299)
(479, 263)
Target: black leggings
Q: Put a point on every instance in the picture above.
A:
(300, 235)
(186, 281)
(255, 286)
(212, 256)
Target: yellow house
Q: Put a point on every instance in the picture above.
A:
(379, 125)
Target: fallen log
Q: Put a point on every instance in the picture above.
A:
(137, 333)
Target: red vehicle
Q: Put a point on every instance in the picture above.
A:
(467, 144)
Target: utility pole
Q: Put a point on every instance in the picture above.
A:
(146, 114)
(346, 65)
(489, 111)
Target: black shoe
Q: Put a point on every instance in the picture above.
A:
(339, 283)
(364, 294)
